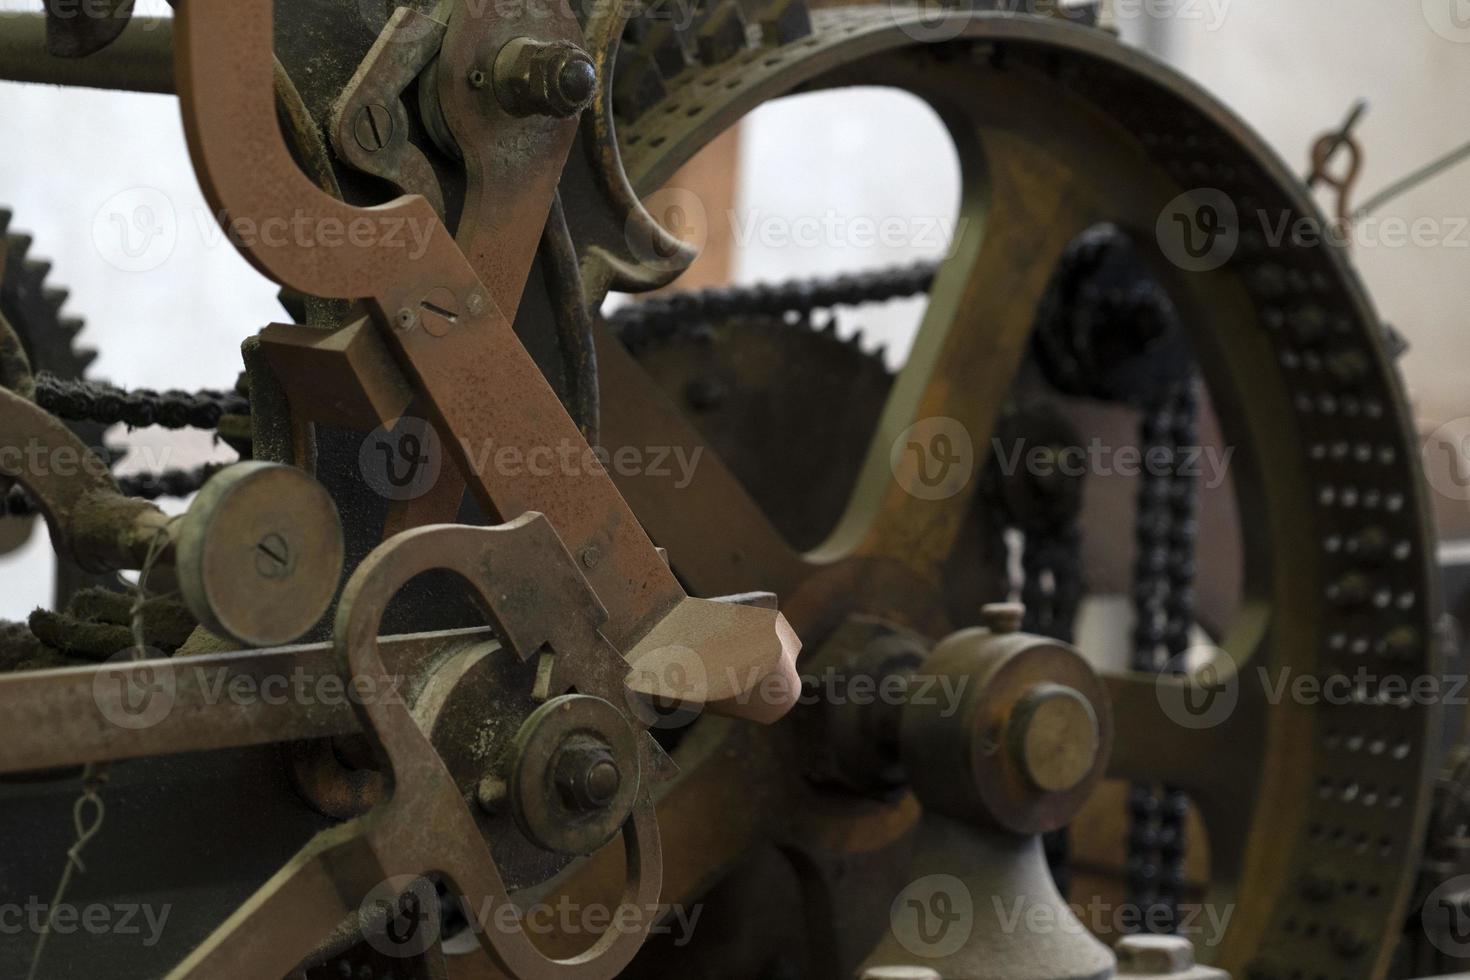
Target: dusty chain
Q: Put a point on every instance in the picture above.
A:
(95, 401)
(1163, 599)
(669, 317)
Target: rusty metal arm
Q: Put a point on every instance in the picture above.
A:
(443, 325)
(140, 60)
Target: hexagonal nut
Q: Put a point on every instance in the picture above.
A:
(554, 78)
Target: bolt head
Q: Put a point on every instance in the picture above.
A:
(576, 79)
(1154, 956)
(1055, 737)
(547, 78)
(1003, 617)
(587, 778)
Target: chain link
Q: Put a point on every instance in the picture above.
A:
(96, 401)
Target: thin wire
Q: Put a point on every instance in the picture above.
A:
(94, 776)
(1413, 180)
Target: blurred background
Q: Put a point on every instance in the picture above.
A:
(168, 302)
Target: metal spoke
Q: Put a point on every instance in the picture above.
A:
(919, 479)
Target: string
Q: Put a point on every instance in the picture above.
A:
(94, 776)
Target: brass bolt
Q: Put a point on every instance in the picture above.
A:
(1054, 737)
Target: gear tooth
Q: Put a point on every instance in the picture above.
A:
(55, 298)
(785, 22)
(71, 326)
(723, 36)
(637, 87)
(5, 215)
(84, 356)
(20, 247)
(37, 269)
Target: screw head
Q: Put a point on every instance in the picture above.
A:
(273, 557)
(373, 127)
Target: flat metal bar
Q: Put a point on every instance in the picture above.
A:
(140, 60)
(131, 709)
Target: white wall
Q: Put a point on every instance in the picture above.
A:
(72, 163)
